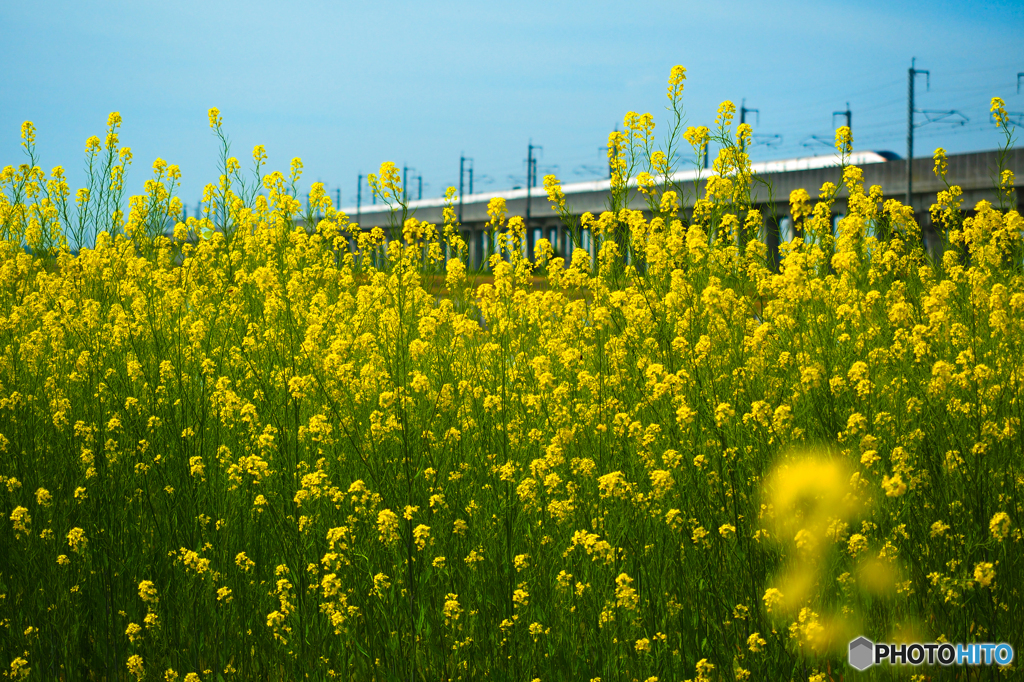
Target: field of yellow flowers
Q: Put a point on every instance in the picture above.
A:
(255, 450)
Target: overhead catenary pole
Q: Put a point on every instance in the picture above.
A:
(611, 151)
(848, 115)
(769, 140)
(744, 111)
(359, 196)
(529, 178)
(462, 165)
(911, 73)
(462, 178)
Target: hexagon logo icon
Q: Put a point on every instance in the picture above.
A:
(862, 653)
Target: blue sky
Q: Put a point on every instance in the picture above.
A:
(346, 86)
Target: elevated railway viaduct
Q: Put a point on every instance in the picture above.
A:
(975, 173)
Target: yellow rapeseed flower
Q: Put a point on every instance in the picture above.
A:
(999, 526)
(857, 544)
(893, 485)
(452, 609)
(676, 79)
(984, 573)
(844, 140)
(147, 592)
(554, 191)
(497, 212)
(773, 599)
(244, 562)
(421, 536)
(625, 596)
(21, 520)
(998, 111)
(704, 670)
(941, 164)
(697, 136)
(726, 111)
(135, 666)
(387, 526)
(20, 669)
(744, 134)
(28, 134)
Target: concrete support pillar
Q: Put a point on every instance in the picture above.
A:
(473, 241)
(772, 232)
